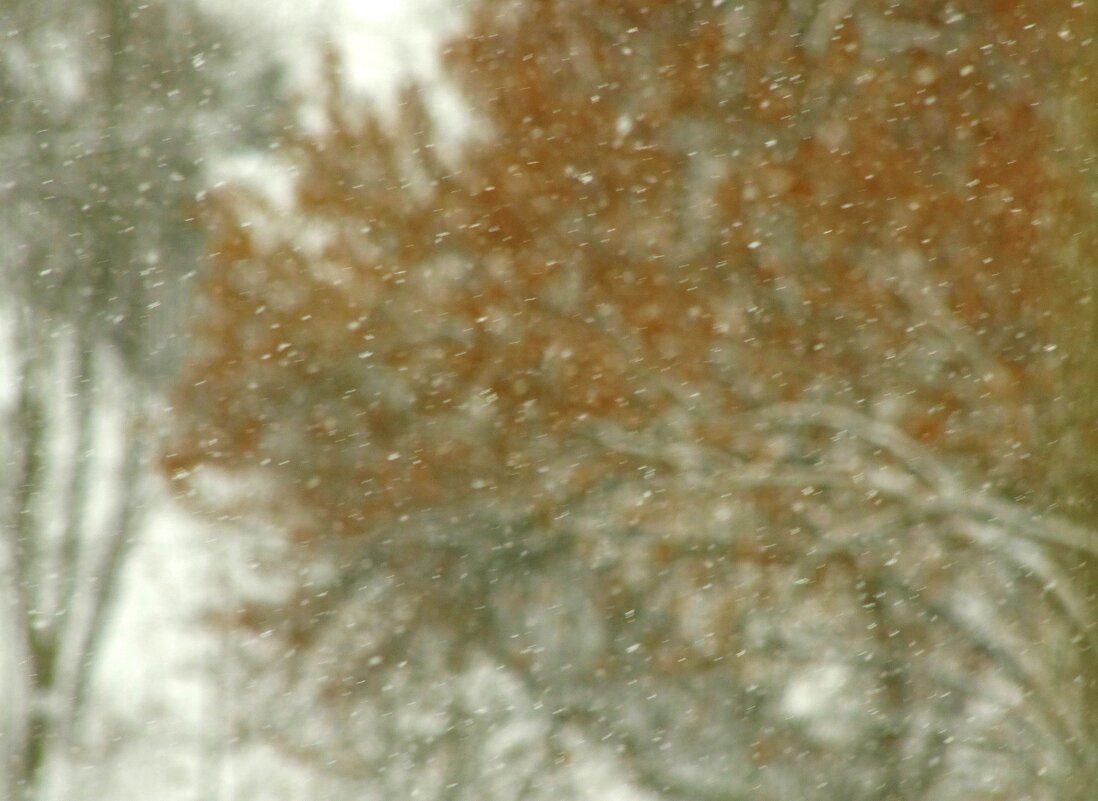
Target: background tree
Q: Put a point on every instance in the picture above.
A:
(107, 109)
(713, 397)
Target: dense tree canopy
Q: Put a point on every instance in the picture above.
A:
(722, 392)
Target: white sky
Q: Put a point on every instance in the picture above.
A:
(380, 39)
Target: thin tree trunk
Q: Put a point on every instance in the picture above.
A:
(76, 493)
(31, 647)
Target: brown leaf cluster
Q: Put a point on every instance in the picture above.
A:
(726, 345)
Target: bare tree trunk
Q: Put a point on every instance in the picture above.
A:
(61, 584)
(31, 653)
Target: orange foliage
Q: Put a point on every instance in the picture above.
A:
(672, 216)
(675, 217)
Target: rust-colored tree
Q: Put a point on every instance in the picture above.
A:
(724, 394)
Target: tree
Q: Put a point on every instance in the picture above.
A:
(106, 110)
(713, 395)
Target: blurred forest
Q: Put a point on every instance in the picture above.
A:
(721, 406)
(677, 400)
(108, 109)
